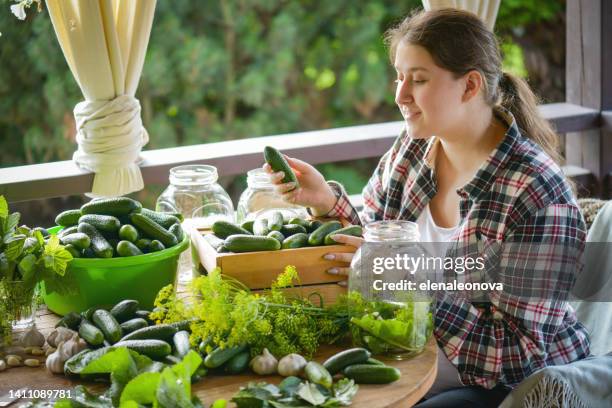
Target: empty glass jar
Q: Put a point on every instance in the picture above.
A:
(195, 193)
(387, 316)
(260, 197)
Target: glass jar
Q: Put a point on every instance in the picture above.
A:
(260, 197)
(388, 316)
(195, 193)
(19, 302)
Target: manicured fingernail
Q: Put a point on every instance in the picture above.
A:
(291, 185)
(280, 175)
(330, 257)
(342, 283)
(333, 271)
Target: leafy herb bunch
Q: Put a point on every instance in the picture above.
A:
(27, 257)
(229, 314)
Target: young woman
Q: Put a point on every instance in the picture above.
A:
(475, 163)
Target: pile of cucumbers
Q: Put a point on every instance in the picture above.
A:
(357, 364)
(128, 326)
(270, 232)
(111, 227)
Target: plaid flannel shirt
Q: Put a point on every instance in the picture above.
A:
(518, 195)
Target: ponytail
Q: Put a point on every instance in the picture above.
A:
(516, 96)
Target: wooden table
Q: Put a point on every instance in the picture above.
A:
(418, 374)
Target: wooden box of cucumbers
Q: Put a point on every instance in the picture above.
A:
(257, 251)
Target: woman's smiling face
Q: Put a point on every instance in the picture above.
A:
(429, 97)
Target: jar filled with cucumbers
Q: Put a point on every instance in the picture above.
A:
(387, 317)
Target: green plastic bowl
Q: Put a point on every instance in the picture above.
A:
(105, 282)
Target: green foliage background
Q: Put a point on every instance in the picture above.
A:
(228, 70)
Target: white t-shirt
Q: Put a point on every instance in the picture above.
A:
(448, 376)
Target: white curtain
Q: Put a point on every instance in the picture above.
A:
(485, 9)
(104, 43)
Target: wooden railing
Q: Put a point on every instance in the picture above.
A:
(24, 183)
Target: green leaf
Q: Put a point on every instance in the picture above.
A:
(289, 386)
(14, 247)
(27, 267)
(55, 256)
(11, 222)
(123, 363)
(310, 393)
(3, 207)
(141, 389)
(175, 381)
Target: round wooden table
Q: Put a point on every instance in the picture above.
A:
(418, 375)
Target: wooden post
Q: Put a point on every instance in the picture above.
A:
(589, 81)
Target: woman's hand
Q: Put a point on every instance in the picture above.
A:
(313, 191)
(346, 257)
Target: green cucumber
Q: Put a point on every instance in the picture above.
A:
(78, 240)
(337, 362)
(99, 244)
(90, 333)
(299, 221)
(67, 231)
(292, 229)
(156, 349)
(238, 363)
(219, 356)
(108, 324)
(374, 361)
(128, 232)
(248, 225)
(153, 229)
(103, 223)
(251, 243)
(115, 206)
(156, 246)
(177, 231)
(276, 235)
(224, 229)
(126, 248)
(74, 251)
(318, 374)
(372, 374)
(317, 236)
(158, 332)
(181, 325)
(143, 244)
(278, 163)
(166, 220)
(133, 324)
(68, 218)
(352, 230)
(313, 225)
(260, 226)
(125, 310)
(181, 343)
(71, 320)
(275, 221)
(298, 240)
(214, 241)
(144, 314)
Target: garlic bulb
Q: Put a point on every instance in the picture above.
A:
(291, 364)
(32, 338)
(73, 346)
(55, 361)
(264, 364)
(58, 335)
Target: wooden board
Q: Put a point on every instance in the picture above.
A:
(258, 270)
(418, 375)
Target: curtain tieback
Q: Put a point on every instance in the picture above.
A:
(110, 136)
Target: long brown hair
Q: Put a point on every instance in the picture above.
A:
(459, 42)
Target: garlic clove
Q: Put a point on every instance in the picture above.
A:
(264, 364)
(32, 338)
(291, 365)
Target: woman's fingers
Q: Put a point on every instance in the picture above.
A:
(337, 270)
(348, 240)
(340, 257)
(285, 188)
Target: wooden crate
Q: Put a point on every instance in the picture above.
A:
(258, 270)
